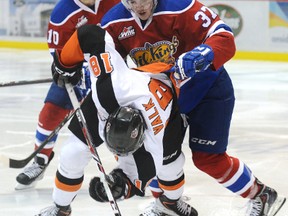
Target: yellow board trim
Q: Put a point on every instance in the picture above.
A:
(24, 45)
(263, 56)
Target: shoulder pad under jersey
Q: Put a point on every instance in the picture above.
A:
(173, 6)
(117, 12)
(63, 10)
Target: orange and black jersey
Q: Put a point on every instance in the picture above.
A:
(113, 84)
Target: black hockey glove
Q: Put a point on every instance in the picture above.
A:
(120, 185)
(62, 74)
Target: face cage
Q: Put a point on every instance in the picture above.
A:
(128, 6)
(123, 154)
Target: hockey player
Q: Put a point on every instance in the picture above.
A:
(138, 118)
(192, 35)
(65, 18)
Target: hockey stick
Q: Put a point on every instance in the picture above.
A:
(25, 82)
(92, 147)
(13, 163)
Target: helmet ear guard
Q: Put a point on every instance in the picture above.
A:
(124, 131)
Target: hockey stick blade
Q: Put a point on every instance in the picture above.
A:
(4, 160)
(13, 163)
(25, 82)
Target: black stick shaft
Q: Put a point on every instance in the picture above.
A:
(13, 163)
(25, 82)
(91, 145)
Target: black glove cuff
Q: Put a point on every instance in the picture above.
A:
(62, 74)
(129, 189)
(61, 69)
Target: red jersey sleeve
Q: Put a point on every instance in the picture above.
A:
(198, 25)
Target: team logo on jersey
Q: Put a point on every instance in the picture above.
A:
(81, 21)
(161, 51)
(126, 32)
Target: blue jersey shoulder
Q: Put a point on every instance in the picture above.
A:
(172, 5)
(119, 12)
(115, 13)
(62, 10)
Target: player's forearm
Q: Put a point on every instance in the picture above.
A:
(223, 46)
(71, 53)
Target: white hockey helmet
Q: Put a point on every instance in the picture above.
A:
(128, 3)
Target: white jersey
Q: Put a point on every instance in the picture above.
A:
(132, 88)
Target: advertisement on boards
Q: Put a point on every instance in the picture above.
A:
(230, 16)
(29, 18)
(278, 23)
